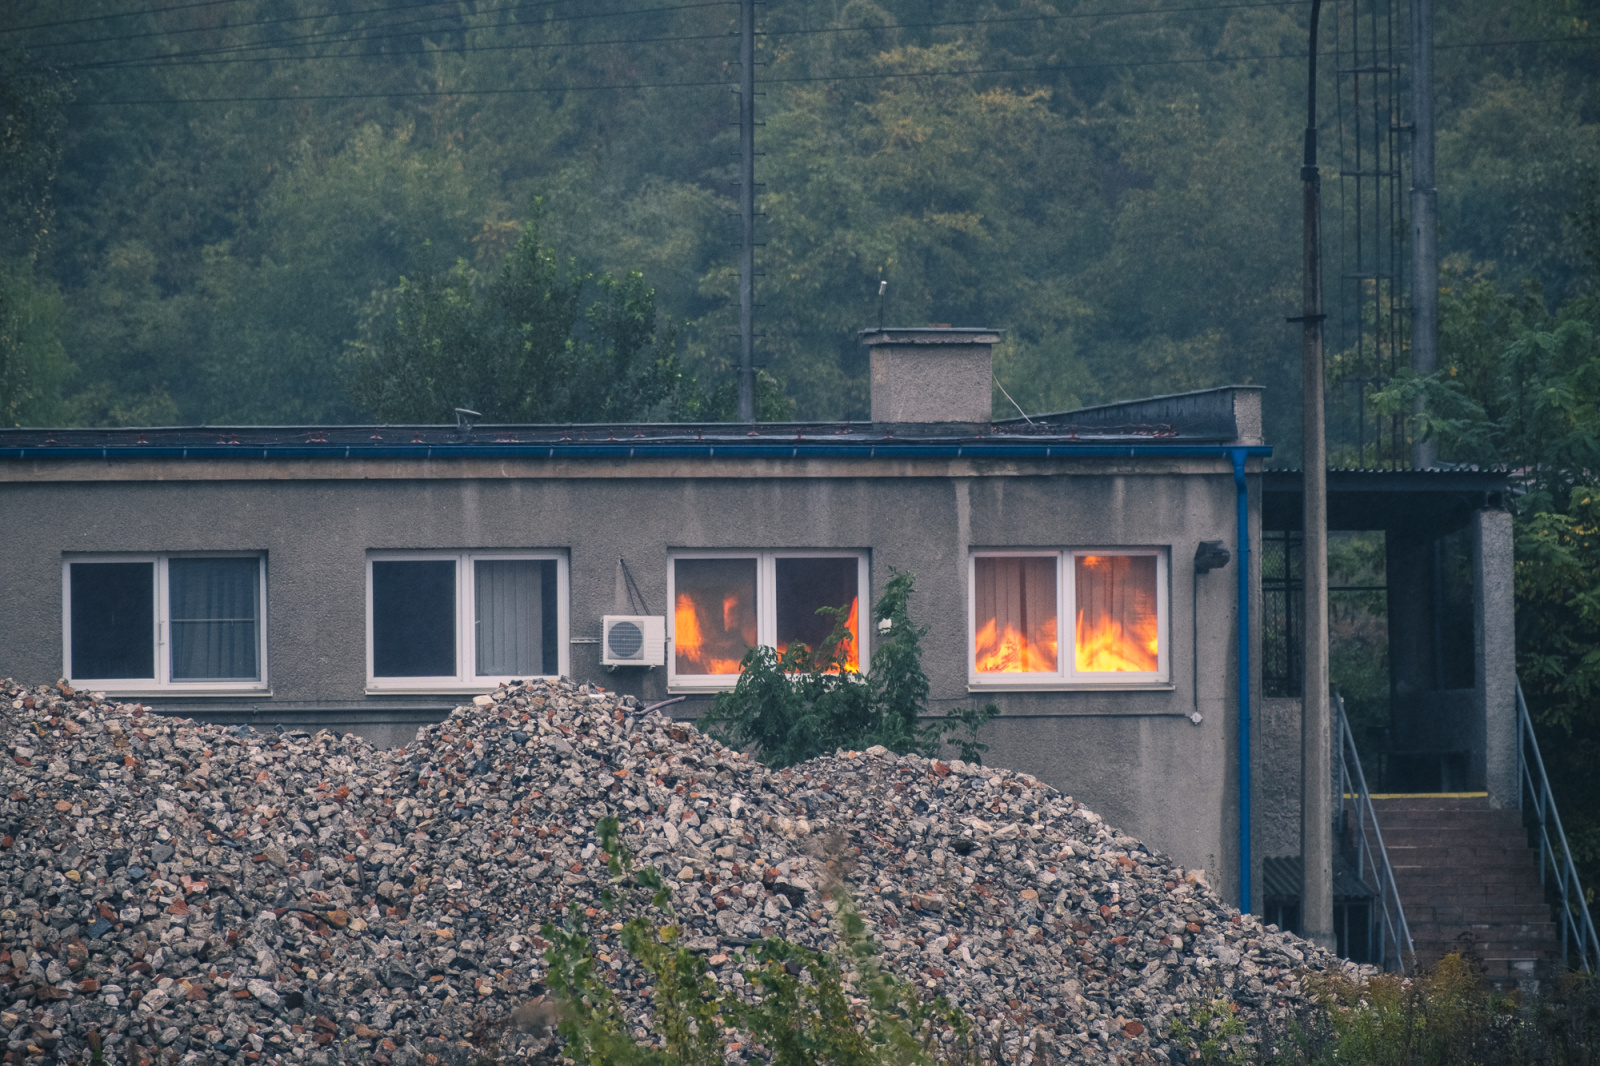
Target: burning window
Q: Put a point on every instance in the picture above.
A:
(1016, 604)
(713, 614)
(1118, 630)
(1114, 604)
(722, 607)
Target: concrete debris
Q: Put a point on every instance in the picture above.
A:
(199, 893)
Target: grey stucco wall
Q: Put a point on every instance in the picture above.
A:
(1132, 755)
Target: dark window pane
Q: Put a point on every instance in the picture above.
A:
(414, 619)
(509, 603)
(552, 664)
(804, 585)
(714, 616)
(214, 618)
(113, 620)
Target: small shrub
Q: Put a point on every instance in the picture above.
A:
(806, 702)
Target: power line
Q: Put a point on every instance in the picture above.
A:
(175, 60)
(721, 82)
(155, 65)
(241, 26)
(357, 33)
(355, 36)
(120, 15)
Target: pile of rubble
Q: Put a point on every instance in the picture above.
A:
(199, 893)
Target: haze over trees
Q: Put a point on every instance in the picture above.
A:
(241, 186)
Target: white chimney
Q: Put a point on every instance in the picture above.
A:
(934, 374)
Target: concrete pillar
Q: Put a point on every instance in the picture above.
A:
(1494, 634)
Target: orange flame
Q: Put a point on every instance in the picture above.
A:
(847, 649)
(1117, 641)
(1107, 646)
(689, 641)
(1011, 652)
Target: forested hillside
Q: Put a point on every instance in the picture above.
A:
(241, 185)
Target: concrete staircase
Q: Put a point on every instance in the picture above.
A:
(1469, 883)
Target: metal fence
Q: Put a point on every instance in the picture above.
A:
(1359, 821)
(1557, 872)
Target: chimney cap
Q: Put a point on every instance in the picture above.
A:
(931, 335)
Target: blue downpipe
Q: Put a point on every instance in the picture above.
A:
(1242, 494)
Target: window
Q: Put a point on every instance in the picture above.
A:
(463, 619)
(1112, 606)
(725, 604)
(168, 621)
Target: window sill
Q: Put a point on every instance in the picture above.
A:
(697, 689)
(977, 687)
(474, 689)
(167, 691)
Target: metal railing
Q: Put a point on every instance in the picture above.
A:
(1577, 927)
(1395, 950)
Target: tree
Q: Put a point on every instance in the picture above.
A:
(533, 343)
(1519, 388)
(33, 363)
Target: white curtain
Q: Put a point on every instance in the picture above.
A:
(214, 614)
(1015, 599)
(510, 617)
(1118, 628)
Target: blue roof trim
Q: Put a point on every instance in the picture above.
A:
(988, 449)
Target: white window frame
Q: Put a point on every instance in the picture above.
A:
(163, 682)
(466, 678)
(766, 607)
(1066, 675)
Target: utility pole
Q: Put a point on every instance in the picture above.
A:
(1424, 219)
(1316, 733)
(747, 209)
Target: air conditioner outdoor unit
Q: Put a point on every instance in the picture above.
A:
(633, 640)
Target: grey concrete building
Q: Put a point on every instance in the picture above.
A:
(1096, 574)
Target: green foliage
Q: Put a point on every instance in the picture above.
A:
(1109, 186)
(808, 702)
(803, 1006)
(1519, 388)
(33, 363)
(525, 345)
(1441, 1017)
(1211, 1034)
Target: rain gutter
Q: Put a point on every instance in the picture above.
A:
(1242, 521)
(631, 449)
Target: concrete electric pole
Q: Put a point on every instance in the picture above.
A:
(1424, 219)
(1316, 732)
(747, 209)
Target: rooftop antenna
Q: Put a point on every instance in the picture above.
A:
(465, 420)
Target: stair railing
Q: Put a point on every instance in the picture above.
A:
(1372, 858)
(1555, 857)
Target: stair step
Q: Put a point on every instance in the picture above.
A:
(1462, 914)
(1487, 857)
(1469, 882)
